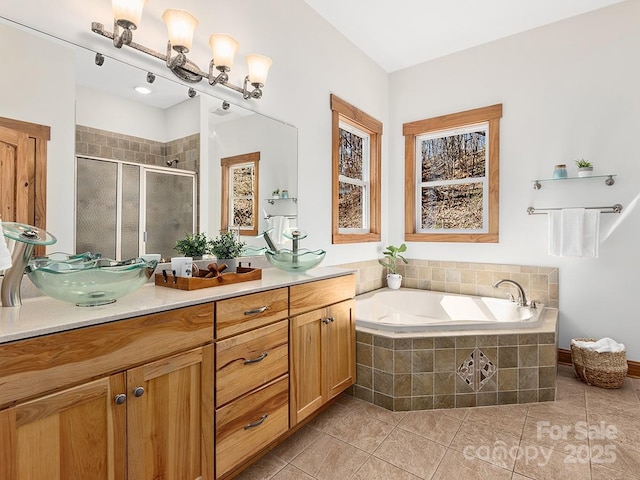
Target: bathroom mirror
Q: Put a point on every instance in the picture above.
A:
(115, 123)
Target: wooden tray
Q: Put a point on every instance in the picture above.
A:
(243, 274)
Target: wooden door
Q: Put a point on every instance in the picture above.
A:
(75, 434)
(170, 417)
(340, 348)
(307, 380)
(23, 173)
(16, 171)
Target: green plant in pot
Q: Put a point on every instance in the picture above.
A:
(392, 255)
(227, 248)
(194, 245)
(585, 168)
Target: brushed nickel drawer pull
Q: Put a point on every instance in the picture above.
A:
(325, 321)
(253, 311)
(257, 359)
(138, 391)
(257, 423)
(120, 398)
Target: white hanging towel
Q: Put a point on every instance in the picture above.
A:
(279, 224)
(5, 256)
(574, 232)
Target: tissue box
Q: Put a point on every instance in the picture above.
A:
(604, 370)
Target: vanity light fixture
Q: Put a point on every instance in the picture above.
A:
(181, 26)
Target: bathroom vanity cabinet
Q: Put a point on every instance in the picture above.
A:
(322, 343)
(129, 399)
(194, 392)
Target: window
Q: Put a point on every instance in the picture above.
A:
(240, 193)
(452, 166)
(356, 157)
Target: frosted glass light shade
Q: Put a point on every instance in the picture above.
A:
(129, 11)
(258, 68)
(223, 49)
(181, 26)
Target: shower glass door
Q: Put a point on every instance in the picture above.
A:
(125, 210)
(169, 210)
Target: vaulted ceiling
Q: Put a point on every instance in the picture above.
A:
(398, 34)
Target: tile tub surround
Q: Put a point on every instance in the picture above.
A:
(539, 283)
(457, 369)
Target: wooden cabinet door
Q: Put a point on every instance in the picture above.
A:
(307, 380)
(170, 417)
(339, 348)
(74, 434)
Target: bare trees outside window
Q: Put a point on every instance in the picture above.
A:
(240, 193)
(356, 157)
(452, 162)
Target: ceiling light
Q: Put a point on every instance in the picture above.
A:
(143, 90)
(181, 26)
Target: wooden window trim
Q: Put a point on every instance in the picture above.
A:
(491, 115)
(226, 163)
(343, 111)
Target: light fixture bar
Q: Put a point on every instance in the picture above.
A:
(189, 71)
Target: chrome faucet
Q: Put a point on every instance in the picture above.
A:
(522, 298)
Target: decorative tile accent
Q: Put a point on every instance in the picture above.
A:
(477, 369)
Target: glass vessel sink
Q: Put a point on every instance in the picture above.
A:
(86, 279)
(300, 261)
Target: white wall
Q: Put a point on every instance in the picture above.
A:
(37, 86)
(106, 112)
(569, 90)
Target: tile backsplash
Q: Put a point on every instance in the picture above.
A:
(539, 283)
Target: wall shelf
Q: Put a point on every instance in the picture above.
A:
(537, 184)
(271, 201)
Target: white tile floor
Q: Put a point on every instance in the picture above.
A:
(541, 441)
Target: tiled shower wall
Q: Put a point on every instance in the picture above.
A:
(539, 283)
(115, 146)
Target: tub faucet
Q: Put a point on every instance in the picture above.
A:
(522, 298)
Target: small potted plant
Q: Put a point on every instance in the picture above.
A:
(227, 247)
(392, 254)
(194, 245)
(585, 169)
(276, 193)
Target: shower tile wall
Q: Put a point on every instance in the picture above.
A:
(115, 146)
(539, 283)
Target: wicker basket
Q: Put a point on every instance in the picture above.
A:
(605, 370)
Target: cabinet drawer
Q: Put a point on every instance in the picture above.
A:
(246, 361)
(249, 423)
(310, 296)
(241, 314)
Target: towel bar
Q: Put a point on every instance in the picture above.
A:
(617, 208)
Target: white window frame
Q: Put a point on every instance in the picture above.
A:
(365, 183)
(484, 180)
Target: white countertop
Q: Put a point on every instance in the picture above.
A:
(44, 315)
